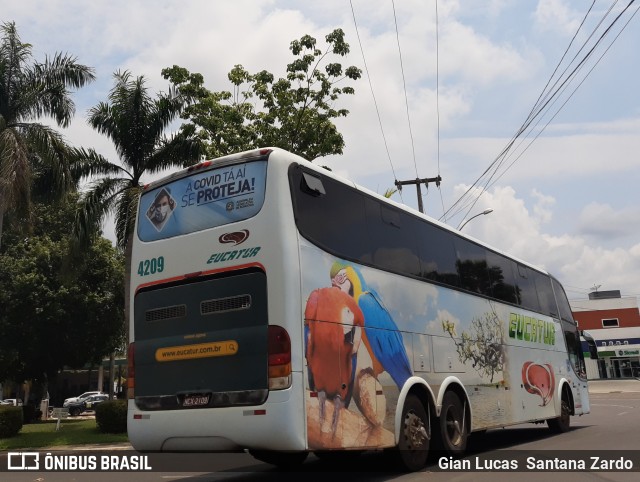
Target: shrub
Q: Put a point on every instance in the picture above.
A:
(10, 421)
(111, 416)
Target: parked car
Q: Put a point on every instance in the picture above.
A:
(88, 403)
(79, 398)
(16, 402)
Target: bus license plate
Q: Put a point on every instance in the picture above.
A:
(195, 400)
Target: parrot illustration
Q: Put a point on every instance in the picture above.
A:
(381, 335)
(333, 330)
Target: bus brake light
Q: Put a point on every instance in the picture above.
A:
(279, 358)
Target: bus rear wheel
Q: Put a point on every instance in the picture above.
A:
(453, 426)
(562, 423)
(282, 460)
(413, 447)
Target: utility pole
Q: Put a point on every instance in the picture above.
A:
(417, 182)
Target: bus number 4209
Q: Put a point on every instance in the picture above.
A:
(151, 266)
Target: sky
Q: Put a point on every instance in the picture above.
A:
(447, 85)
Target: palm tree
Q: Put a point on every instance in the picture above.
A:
(135, 123)
(31, 90)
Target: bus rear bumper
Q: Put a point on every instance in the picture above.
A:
(278, 424)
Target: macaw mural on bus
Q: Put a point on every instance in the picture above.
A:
(338, 320)
(381, 335)
(333, 330)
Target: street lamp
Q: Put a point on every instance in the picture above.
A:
(486, 211)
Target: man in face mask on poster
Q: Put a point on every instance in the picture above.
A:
(162, 208)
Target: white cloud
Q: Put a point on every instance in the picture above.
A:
(556, 15)
(542, 208)
(602, 220)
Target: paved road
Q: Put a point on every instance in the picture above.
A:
(612, 427)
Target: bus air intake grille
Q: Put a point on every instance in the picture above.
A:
(223, 305)
(166, 313)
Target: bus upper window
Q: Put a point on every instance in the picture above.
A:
(563, 303)
(545, 294)
(389, 231)
(203, 200)
(336, 220)
(472, 267)
(527, 288)
(437, 255)
(501, 274)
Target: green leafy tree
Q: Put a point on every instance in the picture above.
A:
(30, 90)
(295, 112)
(56, 312)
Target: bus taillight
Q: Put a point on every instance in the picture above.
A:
(279, 358)
(131, 371)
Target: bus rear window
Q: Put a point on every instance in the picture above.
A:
(205, 199)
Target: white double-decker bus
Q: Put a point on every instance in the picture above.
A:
(279, 308)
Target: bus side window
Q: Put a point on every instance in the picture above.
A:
(527, 288)
(571, 336)
(472, 267)
(330, 214)
(437, 254)
(545, 295)
(502, 277)
(563, 303)
(391, 232)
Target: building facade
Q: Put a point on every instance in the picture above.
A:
(614, 323)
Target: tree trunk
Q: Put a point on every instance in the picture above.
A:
(111, 374)
(100, 377)
(1, 222)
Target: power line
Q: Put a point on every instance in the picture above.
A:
(438, 105)
(417, 181)
(564, 87)
(545, 101)
(375, 102)
(404, 83)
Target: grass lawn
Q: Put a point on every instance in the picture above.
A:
(72, 432)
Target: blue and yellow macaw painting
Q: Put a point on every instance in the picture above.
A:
(381, 335)
(338, 320)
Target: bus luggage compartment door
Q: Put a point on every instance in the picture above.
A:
(202, 344)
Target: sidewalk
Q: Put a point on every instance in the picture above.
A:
(614, 386)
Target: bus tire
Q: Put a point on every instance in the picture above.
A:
(282, 460)
(413, 447)
(562, 423)
(453, 425)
